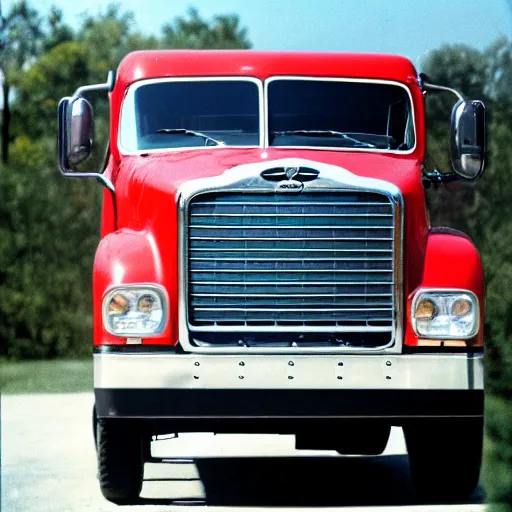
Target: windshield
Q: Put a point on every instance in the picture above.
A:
(177, 114)
(302, 112)
(329, 113)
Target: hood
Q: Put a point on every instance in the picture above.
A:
(146, 186)
(168, 171)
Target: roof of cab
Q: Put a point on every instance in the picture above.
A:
(142, 65)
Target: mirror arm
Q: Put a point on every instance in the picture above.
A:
(102, 179)
(432, 87)
(108, 86)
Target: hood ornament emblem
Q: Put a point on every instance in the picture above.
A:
(290, 180)
(291, 172)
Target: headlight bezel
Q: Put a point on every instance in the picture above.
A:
(122, 289)
(420, 294)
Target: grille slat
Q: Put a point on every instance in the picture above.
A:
(294, 283)
(216, 226)
(292, 259)
(278, 215)
(223, 202)
(319, 259)
(287, 295)
(282, 239)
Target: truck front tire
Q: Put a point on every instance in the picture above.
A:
(445, 457)
(120, 460)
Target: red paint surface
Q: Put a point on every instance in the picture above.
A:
(139, 234)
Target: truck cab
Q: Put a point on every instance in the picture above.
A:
(266, 262)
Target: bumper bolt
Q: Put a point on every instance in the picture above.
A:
(241, 363)
(388, 363)
(197, 363)
(291, 363)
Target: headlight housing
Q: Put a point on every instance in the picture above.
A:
(135, 310)
(450, 314)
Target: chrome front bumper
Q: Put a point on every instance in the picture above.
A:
(301, 372)
(208, 389)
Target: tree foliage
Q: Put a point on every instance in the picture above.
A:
(48, 225)
(223, 32)
(484, 211)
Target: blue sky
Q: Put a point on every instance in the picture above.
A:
(406, 27)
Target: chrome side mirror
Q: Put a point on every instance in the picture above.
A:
(468, 139)
(75, 131)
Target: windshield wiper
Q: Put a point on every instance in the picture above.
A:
(192, 133)
(325, 133)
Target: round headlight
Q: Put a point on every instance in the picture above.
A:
(145, 304)
(118, 305)
(461, 307)
(425, 309)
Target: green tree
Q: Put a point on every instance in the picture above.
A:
(49, 225)
(21, 44)
(192, 31)
(484, 211)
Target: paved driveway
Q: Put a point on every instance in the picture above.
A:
(48, 465)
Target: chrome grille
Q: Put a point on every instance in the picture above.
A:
(315, 260)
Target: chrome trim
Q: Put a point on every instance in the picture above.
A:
(294, 250)
(432, 87)
(200, 371)
(446, 291)
(160, 290)
(297, 214)
(263, 226)
(62, 133)
(108, 86)
(301, 259)
(316, 239)
(136, 85)
(331, 179)
(337, 79)
(289, 295)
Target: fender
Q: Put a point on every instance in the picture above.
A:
(130, 257)
(451, 261)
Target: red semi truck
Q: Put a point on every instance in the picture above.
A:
(266, 262)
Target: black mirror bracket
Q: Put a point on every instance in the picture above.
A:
(436, 178)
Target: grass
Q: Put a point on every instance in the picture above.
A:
(57, 376)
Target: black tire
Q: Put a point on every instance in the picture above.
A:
(367, 439)
(445, 457)
(95, 427)
(120, 460)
